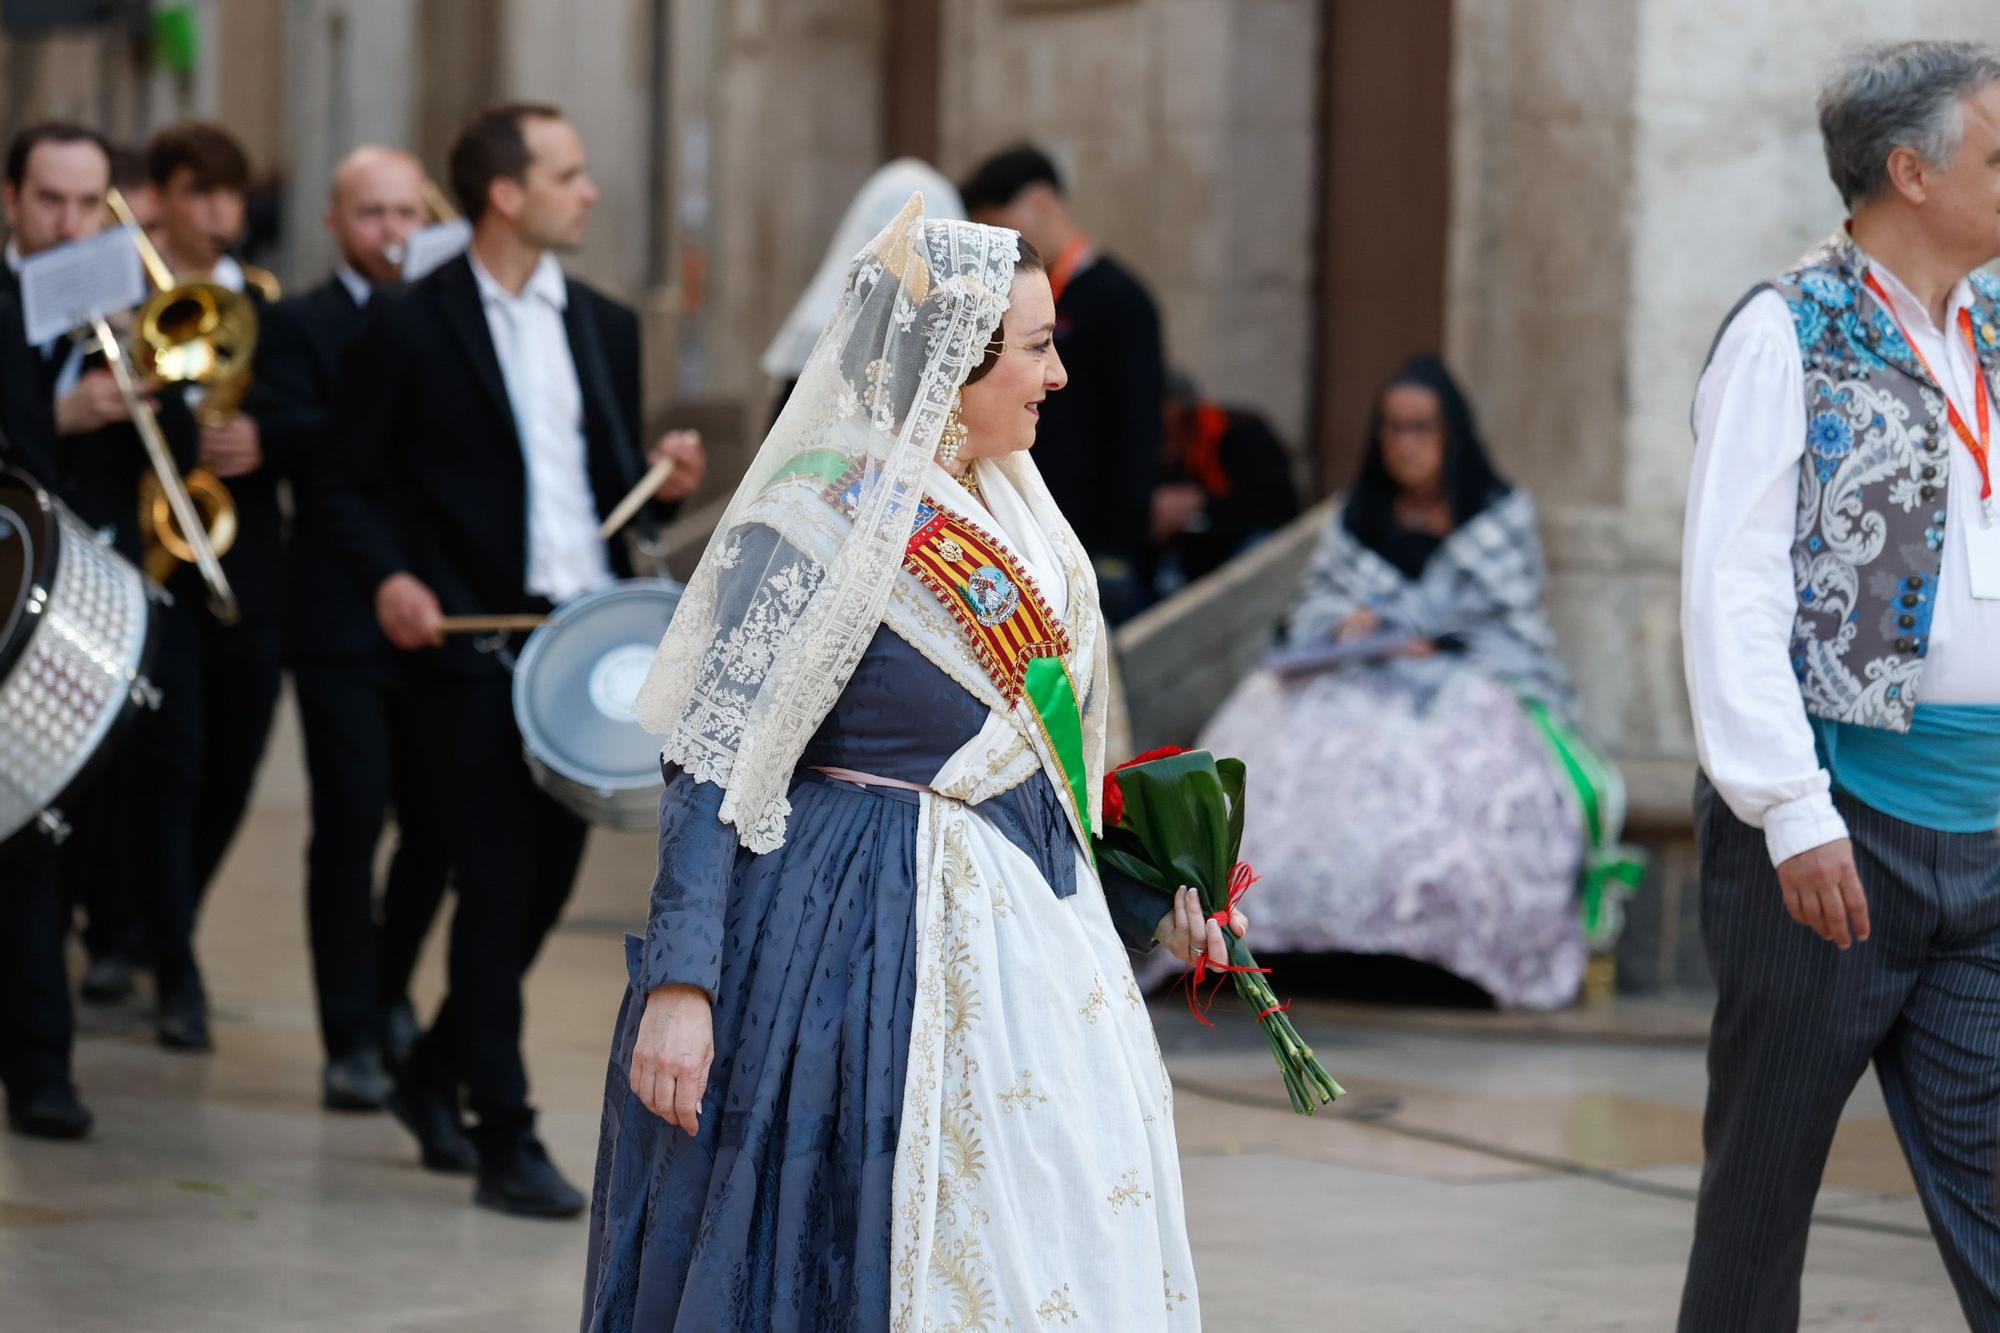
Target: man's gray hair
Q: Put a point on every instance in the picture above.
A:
(1902, 96)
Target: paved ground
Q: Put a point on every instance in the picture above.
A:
(1486, 1174)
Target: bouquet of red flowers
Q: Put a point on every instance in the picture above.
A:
(1174, 817)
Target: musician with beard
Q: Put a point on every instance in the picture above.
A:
(360, 743)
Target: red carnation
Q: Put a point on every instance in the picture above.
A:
(1164, 752)
(1114, 800)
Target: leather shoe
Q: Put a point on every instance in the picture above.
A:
(520, 1179)
(49, 1112)
(182, 1024)
(431, 1115)
(355, 1082)
(108, 980)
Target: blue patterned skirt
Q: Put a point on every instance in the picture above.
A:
(777, 1215)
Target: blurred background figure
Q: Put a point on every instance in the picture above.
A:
(360, 747)
(220, 680)
(875, 206)
(1099, 443)
(1225, 481)
(1403, 801)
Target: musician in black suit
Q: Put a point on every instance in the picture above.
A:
(500, 423)
(36, 1025)
(220, 681)
(65, 422)
(360, 746)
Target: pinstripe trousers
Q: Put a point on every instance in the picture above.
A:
(1797, 1022)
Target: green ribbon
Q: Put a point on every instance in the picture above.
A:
(1052, 695)
(1611, 869)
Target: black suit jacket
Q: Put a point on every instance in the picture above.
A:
(329, 608)
(431, 477)
(96, 473)
(1098, 444)
(23, 440)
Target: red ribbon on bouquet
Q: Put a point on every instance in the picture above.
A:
(1240, 880)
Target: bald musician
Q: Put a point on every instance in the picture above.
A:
(353, 709)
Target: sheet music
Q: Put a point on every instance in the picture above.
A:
(435, 245)
(68, 286)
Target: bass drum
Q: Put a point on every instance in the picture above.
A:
(75, 633)
(574, 684)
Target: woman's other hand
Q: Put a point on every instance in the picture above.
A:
(670, 1059)
(1358, 624)
(1186, 932)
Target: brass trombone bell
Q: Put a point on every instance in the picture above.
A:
(167, 547)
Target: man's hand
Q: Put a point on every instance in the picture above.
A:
(671, 1056)
(93, 404)
(1823, 893)
(408, 612)
(233, 448)
(1176, 505)
(690, 462)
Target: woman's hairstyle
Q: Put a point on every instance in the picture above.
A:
(1470, 482)
(1029, 262)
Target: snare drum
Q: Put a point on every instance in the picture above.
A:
(75, 631)
(574, 684)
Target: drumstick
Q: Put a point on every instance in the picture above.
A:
(635, 497)
(489, 624)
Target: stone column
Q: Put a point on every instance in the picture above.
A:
(1187, 131)
(352, 75)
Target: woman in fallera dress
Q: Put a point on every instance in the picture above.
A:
(881, 1062)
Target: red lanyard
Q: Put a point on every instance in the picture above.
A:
(1066, 264)
(1982, 446)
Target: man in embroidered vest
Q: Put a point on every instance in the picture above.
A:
(1841, 616)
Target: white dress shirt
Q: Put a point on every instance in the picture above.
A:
(357, 286)
(1738, 598)
(565, 554)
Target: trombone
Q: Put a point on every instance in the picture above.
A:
(192, 333)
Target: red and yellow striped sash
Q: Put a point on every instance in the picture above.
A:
(988, 592)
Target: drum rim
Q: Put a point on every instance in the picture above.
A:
(42, 580)
(536, 645)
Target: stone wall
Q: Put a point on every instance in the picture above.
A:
(1188, 133)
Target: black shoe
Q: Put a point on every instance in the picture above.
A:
(50, 1112)
(520, 1179)
(401, 1031)
(432, 1116)
(107, 980)
(182, 1024)
(355, 1082)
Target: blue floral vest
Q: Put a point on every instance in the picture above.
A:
(1872, 489)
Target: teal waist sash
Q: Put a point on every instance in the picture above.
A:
(1943, 774)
